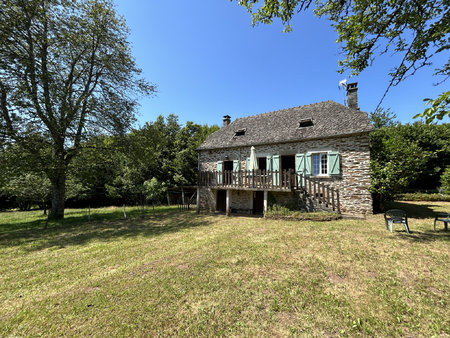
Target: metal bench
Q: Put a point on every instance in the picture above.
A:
(442, 217)
(396, 216)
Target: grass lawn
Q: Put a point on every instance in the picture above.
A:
(176, 273)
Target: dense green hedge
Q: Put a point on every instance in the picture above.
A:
(423, 197)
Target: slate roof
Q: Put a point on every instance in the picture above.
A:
(330, 119)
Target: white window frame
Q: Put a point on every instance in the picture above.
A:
(320, 153)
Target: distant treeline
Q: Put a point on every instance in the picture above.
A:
(138, 167)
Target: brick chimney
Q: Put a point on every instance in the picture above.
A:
(352, 95)
(226, 120)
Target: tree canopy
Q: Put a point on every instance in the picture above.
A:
(417, 30)
(66, 74)
(136, 167)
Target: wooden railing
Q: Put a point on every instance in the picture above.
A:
(249, 179)
(318, 192)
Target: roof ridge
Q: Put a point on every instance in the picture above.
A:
(283, 109)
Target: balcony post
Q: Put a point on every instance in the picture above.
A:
(228, 202)
(265, 201)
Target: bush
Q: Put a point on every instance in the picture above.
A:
(277, 211)
(423, 197)
(445, 181)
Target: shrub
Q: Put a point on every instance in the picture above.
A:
(423, 197)
(445, 181)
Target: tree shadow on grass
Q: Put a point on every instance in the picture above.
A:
(414, 210)
(27, 221)
(73, 233)
(427, 236)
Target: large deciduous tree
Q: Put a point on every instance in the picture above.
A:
(66, 73)
(417, 30)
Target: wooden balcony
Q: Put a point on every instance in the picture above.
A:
(320, 193)
(249, 180)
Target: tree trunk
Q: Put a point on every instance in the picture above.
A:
(58, 195)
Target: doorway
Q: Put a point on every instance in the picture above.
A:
(262, 163)
(258, 202)
(287, 162)
(227, 167)
(221, 200)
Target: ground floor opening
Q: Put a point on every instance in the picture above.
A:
(221, 201)
(258, 202)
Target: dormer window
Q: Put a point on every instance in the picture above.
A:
(240, 132)
(306, 123)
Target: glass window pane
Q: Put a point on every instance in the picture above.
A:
(324, 166)
(316, 164)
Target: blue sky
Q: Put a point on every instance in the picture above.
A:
(207, 61)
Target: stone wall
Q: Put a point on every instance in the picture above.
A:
(352, 183)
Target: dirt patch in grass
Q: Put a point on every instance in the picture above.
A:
(336, 279)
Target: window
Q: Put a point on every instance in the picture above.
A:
(240, 132)
(320, 164)
(305, 123)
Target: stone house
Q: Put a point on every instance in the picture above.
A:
(313, 157)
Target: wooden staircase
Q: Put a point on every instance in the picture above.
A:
(317, 195)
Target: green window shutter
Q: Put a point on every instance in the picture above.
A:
(269, 163)
(236, 165)
(247, 163)
(276, 167)
(219, 172)
(300, 166)
(333, 163)
(236, 168)
(300, 163)
(308, 165)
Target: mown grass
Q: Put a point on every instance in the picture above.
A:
(176, 273)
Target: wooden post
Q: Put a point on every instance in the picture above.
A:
(315, 191)
(332, 198)
(124, 212)
(337, 201)
(89, 214)
(198, 200)
(265, 200)
(328, 196)
(182, 196)
(228, 202)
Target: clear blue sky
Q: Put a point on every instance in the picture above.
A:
(207, 61)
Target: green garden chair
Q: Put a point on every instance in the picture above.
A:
(442, 217)
(396, 216)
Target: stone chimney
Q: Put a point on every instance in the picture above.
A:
(226, 120)
(352, 95)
